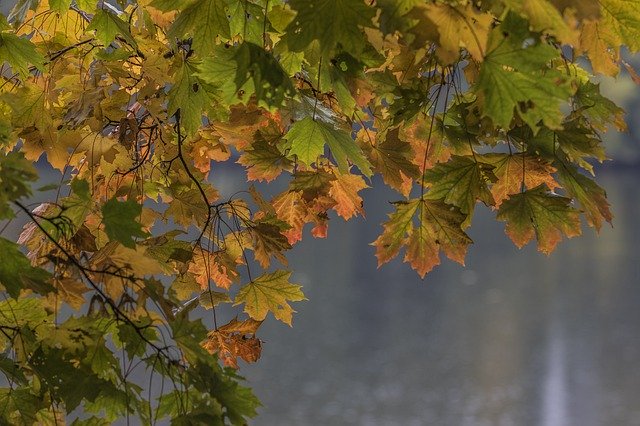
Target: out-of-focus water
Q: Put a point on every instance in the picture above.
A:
(515, 338)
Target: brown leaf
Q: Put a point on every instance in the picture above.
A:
(235, 340)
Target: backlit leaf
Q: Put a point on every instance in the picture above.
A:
(270, 293)
(540, 214)
(120, 220)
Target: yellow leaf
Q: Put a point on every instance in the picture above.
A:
(460, 27)
(512, 169)
(270, 293)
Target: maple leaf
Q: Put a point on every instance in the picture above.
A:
(594, 40)
(263, 159)
(189, 95)
(218, 266)
(428, 146)
(460, 182)
(250, 69)
(187, 205)
(19, 53)
(108, 25)
(592, 198)
(270, 293)
(235, 339)
(392, 158)
(241, 126)
(514, 170)
(205, 20)
(308, 137)
(205, 149)
(543, 16)
(600, 110)
(537, 212)
(460, 27)
(511, 78)
(330, 22)
(72, 291)
(622, 19)
(439, 227)
(291, 208)
(344, 190)
(15, 173)
(17, 273)
(120, 224)
(269, 240)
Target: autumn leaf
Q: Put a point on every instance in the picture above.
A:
(344, 190)
(460, 27)
(15, 174)
(269, 240)
(425, 227)
(537, 212)
(291, 208)
(270, 293)
(263, 159)
(460, 182)
(19, 53)
(235, 340)
(514, 170)
(108, 25)
(392, 157)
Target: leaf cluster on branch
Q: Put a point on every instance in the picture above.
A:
(138, 103)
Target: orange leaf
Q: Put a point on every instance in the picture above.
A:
(511, 169)
(344, 190)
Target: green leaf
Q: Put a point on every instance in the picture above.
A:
(592, 198)
(188, 95)
(252, 69)
(600, 110)
(460, 182)
(537, 212)
(516, 78)
(19, 53)
(307, 138)
(622, 18)
(16, 272)
(120, 224)
(205, 21)
(331, 22)
(15, 172)
(108, 26)
(59, 6)
(270, 293)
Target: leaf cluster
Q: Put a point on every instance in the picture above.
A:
(138, 103)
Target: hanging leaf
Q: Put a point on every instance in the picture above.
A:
(270, 293)
(308, 137)
(537, 212)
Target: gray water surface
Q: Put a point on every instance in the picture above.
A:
(515, 338)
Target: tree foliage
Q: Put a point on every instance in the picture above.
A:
(137, 104)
